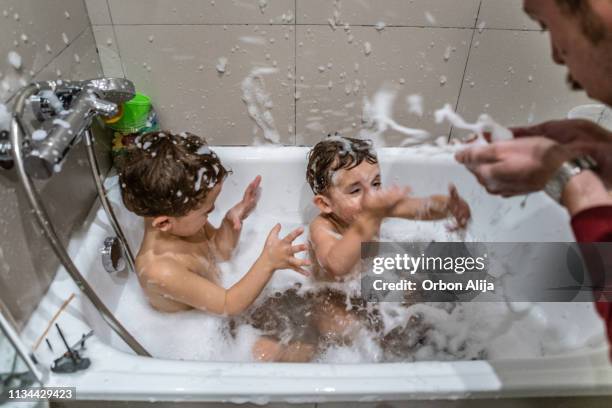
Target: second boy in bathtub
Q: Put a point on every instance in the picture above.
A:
(345, 177)
(173, 181)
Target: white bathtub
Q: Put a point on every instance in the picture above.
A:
(117, 374)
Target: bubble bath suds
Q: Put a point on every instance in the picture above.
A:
(444, 332)
(485, 124)
(259, 104)
(377, 117)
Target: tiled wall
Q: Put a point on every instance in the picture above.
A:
(478, 55)
(54, 40)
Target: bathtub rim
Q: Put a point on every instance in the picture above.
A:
(584, 372)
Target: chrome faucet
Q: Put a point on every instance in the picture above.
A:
(67, 108)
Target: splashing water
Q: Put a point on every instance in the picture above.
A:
(259, 104)
(221, 65)
(377, 115)
(14, 59)
(415, 104)
(485, 124)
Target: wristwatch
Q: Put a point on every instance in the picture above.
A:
(554, 188)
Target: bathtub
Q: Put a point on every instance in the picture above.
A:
(118, 374)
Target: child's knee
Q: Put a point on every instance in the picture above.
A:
(267, 349)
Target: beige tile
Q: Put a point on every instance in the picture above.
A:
(79, 61)
(506, 14)
(109, 52)
(511, 75)
(34, 30)
(202, 11)
(68, 197)
(176, 66)
(439, 13)
(98, 12)
(411, 60)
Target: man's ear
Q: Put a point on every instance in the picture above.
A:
(162, 223)
(323, 204)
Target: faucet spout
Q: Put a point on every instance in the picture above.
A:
(83, 101)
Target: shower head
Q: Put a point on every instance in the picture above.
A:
(69, 107)
(116, 90)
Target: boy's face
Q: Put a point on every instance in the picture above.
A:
(193, 222)
(343, 197)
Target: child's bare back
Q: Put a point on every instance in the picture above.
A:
(161, 255)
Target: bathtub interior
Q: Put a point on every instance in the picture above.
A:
(470, 331)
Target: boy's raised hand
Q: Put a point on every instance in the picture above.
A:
(241, 211)
(458, 208)
(381, 203)
(280, 253)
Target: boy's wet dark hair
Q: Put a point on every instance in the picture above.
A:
(335, 153)
(169, 174)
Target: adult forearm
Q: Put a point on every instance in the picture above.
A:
(585, 191)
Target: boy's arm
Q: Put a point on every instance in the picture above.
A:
(181, 285)
(435, 207)
(174, 280)
(227, 235)
(337, 256)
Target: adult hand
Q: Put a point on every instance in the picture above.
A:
(515, 167)
(581, 137)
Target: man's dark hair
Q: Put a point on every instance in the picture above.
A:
(168, 174)
(335, 153)
(591, 24)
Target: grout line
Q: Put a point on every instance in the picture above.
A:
(295, 101)
(55, 57)
(320, 25)
(110, 15)
(467, 61)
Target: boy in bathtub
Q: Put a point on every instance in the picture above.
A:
(345, 177)
(173, 181)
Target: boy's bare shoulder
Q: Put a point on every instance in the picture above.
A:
(321, 227)
(159, 268)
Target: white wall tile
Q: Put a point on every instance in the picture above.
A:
(407, 59)
(506, 14)
(202, 11)
(511, 75)
(437, 13)
(176, 66)
(98, 12)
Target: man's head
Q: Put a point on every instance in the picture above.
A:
(340, 171)
(173, 180)
(581, 39)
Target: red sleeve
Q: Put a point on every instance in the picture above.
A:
(595, 225)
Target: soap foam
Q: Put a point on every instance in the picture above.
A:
(456, 331)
